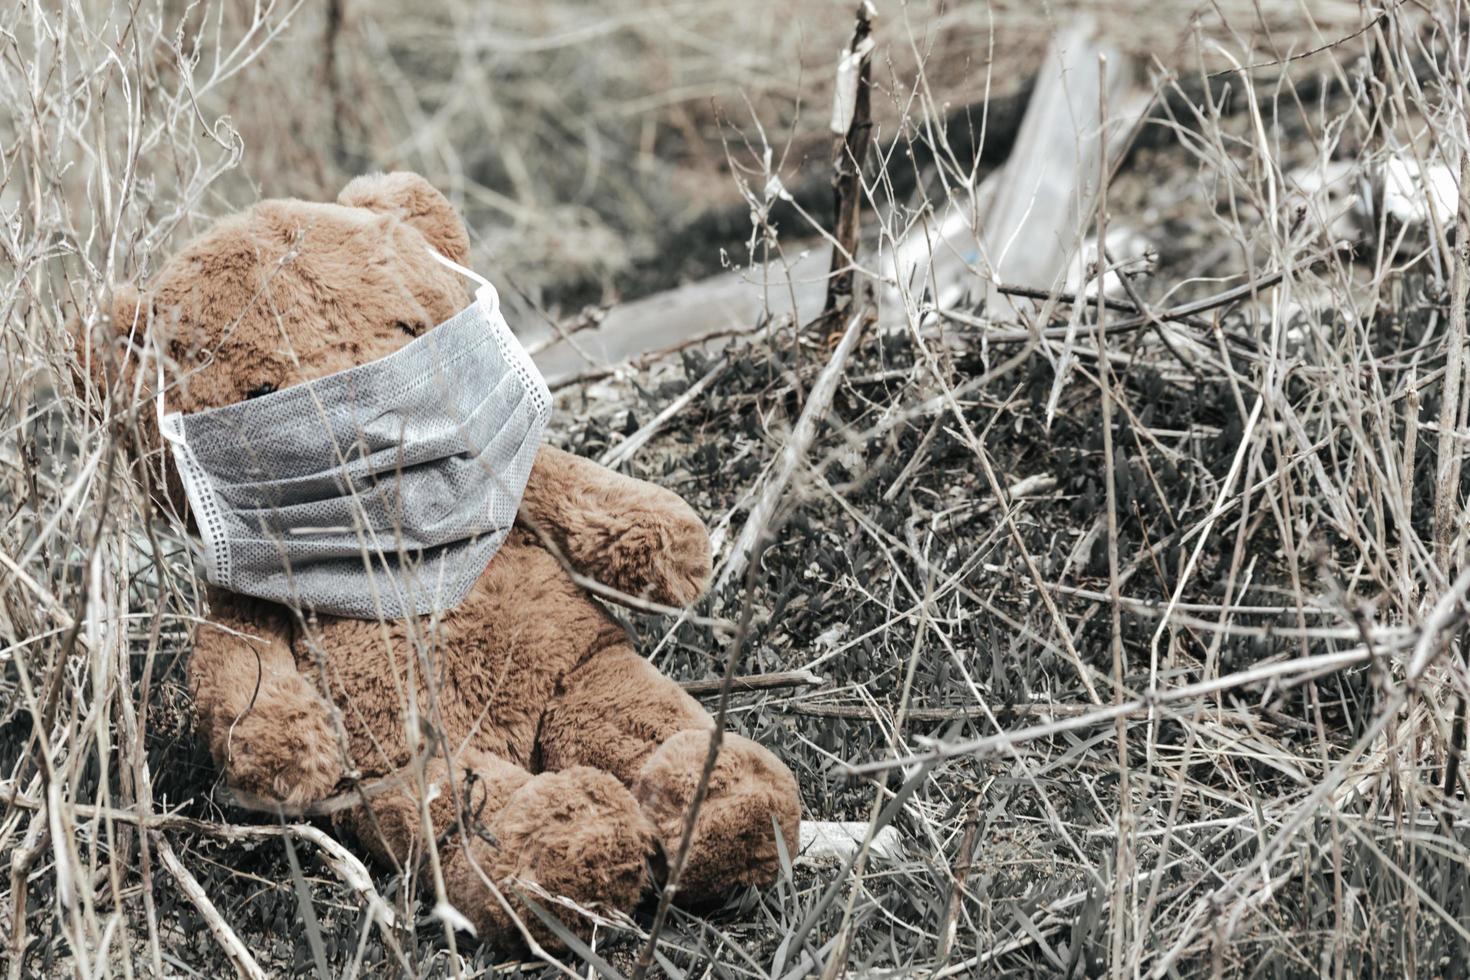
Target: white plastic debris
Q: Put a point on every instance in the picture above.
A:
(1130, 250)
(452, 916)
(1330, 191)
(1050, 177)
(1334, 178)
(602, 393)
(844, 102)
(1327, 193)
(832, 636)
(1407, 190)
(940, 256)
(834, 841)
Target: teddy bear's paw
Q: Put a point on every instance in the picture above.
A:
(660, 556)
(576, 834)
(751, 793)
(683, 570)
(283, 752)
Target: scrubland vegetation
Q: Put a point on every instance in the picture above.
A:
(1142, 622)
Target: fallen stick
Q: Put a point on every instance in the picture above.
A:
(344, 863)
(234, 949)
(589, 319)
(1111, 302)
(1181, 313)
(21, 861)
(756, 682)
(964, 862)
(623, 451)
(795, 450)
(1278, 673)
(863, 712)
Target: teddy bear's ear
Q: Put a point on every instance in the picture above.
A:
(101, 352)
(128, 315)
(415, 201)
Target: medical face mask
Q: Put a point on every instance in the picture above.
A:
(381, 491)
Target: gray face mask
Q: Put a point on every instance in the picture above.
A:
(381, 491)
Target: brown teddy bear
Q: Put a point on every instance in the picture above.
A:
(563, 759)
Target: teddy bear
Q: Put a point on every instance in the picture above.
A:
(560, 759)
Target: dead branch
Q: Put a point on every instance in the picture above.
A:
(623, 451)
(234, 950)
(852, 121)
(756, 682)
(794, 453)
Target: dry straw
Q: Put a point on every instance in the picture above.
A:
(1142, 620)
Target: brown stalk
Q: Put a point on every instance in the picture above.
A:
(847, 180)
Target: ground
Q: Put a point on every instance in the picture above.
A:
(1284, 797)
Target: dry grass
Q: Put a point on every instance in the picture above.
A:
(1146, 635)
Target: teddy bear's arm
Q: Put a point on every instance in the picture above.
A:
(636, 537)
(266, 726)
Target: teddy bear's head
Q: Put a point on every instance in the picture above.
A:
(284, 292)
(288, 290)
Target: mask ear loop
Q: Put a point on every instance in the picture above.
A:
(212, 548)
(166, 423)
(486, 295)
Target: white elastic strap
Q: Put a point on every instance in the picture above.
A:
(486, 295)
(197, 489)
(166, 426)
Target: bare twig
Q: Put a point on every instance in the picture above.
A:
(852, 121)
(756, 682)
(623, 451)
(794, 453)
(237, 952)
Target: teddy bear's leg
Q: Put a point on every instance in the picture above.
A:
(619, 714)
(636, 537)
(268, 729)
(504, 832)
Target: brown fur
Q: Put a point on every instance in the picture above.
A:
(579, 758)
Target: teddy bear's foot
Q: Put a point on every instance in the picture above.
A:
(576, 834)
(734, 842)
(283, 748)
